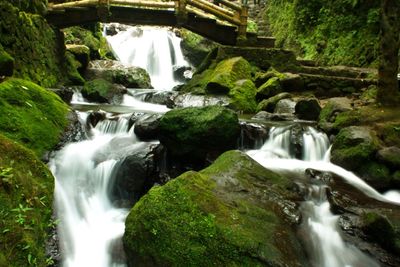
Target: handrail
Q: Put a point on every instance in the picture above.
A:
(225, 11)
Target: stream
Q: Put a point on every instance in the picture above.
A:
(92, 224)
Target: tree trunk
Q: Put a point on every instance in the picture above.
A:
(388, 87)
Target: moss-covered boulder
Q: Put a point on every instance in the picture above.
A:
(243, 96)
(26, 197)
(38, 50)
(270, 103)
(195, 47)
(270, 88)
(234, 213)
(354, 147)
(6, 63)
(331, 110)
(81, 54)
(226, 73)
(103, 91)
(194, 132)
(31, 115)
(115, 72)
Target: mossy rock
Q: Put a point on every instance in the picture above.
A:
(103, 91)
(390, 134)
(31, 115)
(379, 229)
(243, 96)
(308, 109)
(226, 73)
(194, 132)
(270, 103)
(131, 77)
(269, 89)
(354, 147)
(195, 47)
(73, 73)
(262, 77)
(38, 49)
(26, 197)
(81, 54)
(226, 215)
(376, 174)
(330, 111)
(6, 63)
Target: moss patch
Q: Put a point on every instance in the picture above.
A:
(201, 219)
(38, 50)
(6, 63)
(26, 197)
(31, 115)
(243, 96)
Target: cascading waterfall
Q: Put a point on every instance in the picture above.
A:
(155, 49)
(328, 248)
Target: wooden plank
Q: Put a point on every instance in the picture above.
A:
(150, 4)
(230, 5)
(216, 13)
(215, 7)
(81, 3)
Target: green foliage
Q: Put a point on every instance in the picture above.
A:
(36, 48)
(31, 115)
(26, 196)
(333, 32)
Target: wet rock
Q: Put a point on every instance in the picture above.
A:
(195, 132)
(252, 135)
(65, 93)
(270, 103)
(161, 97)
(330, 111)
(81, 54)
(190, 100)
(266, 116)
(234, 212)
(147, 127)
(94, 118)
(292, 82)
(182, 73)
(308, 109)
(135, 175)
(242, 96)
(268, 89)
(285, 106)
(390, 156)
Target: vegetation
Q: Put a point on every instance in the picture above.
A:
(331, 32)
(26, 196)
(37, 49)
(31, 115)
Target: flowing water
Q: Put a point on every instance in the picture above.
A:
(154, 49)
(327, 248)
(91, 226)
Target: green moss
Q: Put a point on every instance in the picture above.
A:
(32, 6)
(252, 26)
(391, 134)
(200, 219)
(195, 47)
(31, 115)
(226, 73)
(333, 32)
(243, 96)
(376, 173)
(72, 71)
(196, 131)
(82, 36)
(26, 197)
(97, 90)
(347, 118)
(269, 88)
(37, 48)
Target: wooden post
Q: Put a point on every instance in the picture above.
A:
(181, 12)
(103, 10)
(243, 23)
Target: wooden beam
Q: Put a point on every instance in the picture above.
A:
(81, 3)
(211, 10)
(150, 4)
(230, 5)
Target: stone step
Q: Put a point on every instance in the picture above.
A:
(339, 71)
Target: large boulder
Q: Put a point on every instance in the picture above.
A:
(270, 103)
(147, 126)
(102, 91)
(308, 109)
(331, 110)
(234, 213)
(81, 54)
(269, 88)
(31, 114)
(115, 72)
(195, 132)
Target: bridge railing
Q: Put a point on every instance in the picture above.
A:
(224, 10)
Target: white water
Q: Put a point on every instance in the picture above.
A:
(328, 247)
(155, 49)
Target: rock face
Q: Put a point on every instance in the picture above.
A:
(115, 72)
(147, 127)
(308, 109)
(195, 132)
(234, 213)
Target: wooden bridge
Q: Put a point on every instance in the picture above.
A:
(225, 22)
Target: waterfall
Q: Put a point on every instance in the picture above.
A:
(155, 49)
(328, 249)
(91, 226)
